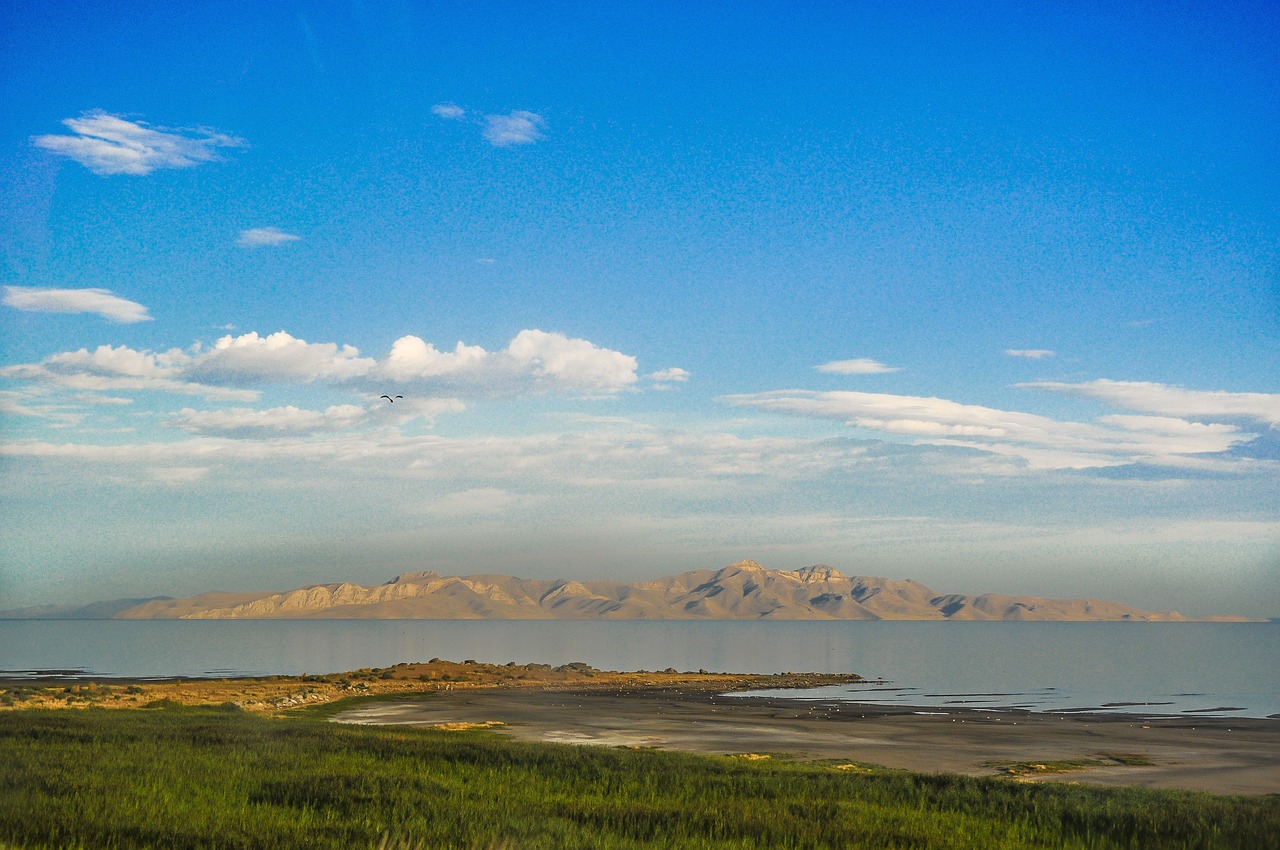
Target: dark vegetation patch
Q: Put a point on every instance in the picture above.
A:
(222, 778)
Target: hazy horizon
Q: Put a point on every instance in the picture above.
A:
(981, 296)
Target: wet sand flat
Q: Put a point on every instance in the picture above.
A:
(1225, 756)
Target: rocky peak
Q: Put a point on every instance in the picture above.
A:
(820, 572)
(422, 575)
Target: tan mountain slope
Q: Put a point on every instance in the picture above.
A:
(741, 591)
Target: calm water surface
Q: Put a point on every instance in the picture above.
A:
(1226, 669)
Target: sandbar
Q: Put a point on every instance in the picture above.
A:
(1224, 756)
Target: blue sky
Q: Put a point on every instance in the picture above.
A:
(981, 296)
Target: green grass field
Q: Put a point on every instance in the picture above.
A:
(220, 778)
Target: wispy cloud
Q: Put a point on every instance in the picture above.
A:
(449, 111)
(1173, 401)
(1041, 442)
(664, 378)
(1030, 353)
(243, 421)
(687, 461)
(16, 404)
(426, 409)
(859, 366)
(517, 128)
(256, 237)
(99, 301)
(108, 144)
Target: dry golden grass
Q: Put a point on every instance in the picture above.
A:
(279, 693)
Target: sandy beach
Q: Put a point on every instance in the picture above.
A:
(1225, 756)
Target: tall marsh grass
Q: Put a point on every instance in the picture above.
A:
(219, 778)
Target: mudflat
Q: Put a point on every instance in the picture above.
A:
(1224, 756)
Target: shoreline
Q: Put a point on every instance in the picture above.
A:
(710, 713)
(1217, 755)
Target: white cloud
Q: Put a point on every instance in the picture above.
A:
(1031, 353)
(248, 422)
(278, 357)
(1174, 401)
(534, 361)
(1164, 425)
(16, 404)
(100, 301)
(408, 409)
(121, 360)
(412, 358)
(449, 111)
(108, 144)
(1040, 441)
(573, 363)
(256, 237)
(92, 398)
(859, 366)
(518, 128)
(122, 369)
(674, 374)
(87, 381)
(689, 462)
(533, 358)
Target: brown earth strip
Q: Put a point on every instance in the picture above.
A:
(1225, 756)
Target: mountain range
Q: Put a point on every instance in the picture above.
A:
(741, 591)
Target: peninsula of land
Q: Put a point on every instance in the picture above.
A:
(742, 591)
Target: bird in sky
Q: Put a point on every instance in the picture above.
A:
(390, 399)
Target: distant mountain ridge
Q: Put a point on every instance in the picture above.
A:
(741, 591)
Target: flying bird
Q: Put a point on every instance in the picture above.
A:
(390, 399)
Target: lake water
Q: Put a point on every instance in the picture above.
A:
(1196, 669)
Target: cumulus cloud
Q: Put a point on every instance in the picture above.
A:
(448, 111)
(257, 237)
(1030, 353)
(412, 358)
(1040, 441)
(243, 421)
(1173, 401)
(108, 144)
(576, 363)
(277, 357)
(121, 368)
(100, 301)
(859, 366)
(121, 360)
(534, 361)
(518, 128)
